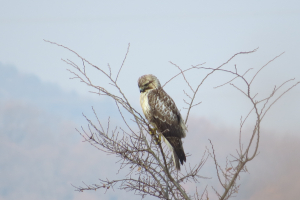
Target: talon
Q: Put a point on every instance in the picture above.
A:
(158, 139)
(152, 131)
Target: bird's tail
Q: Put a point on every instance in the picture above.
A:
(175, 145)
(175, 160)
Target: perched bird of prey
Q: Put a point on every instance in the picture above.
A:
(161, 112)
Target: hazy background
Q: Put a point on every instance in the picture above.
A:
(41, 154)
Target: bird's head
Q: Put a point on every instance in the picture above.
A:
(148, 82)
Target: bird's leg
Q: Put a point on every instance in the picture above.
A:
(152, 132)
(159, 138)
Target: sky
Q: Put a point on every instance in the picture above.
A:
(40, 107)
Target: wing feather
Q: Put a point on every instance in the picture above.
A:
(165, 114)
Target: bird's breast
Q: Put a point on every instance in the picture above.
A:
(144, 103)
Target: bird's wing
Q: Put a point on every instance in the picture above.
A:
(165, 114)
(169, 122)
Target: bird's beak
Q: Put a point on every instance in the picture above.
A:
(142, 90)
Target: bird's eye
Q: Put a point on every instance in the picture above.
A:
(147, 84)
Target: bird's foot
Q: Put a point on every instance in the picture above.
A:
(157, 137)
(152, 131)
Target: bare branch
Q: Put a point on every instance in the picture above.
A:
(123, 62)
(264, 66)
(183, 75)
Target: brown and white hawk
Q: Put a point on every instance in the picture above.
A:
(161, 112)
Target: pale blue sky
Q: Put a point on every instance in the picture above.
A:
(159, 32)
(186, 33)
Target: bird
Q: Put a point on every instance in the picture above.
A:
(162, 113)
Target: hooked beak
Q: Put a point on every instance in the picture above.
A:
(142, 90)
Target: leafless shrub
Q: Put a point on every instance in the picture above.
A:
(228, 176)
(147, 162)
